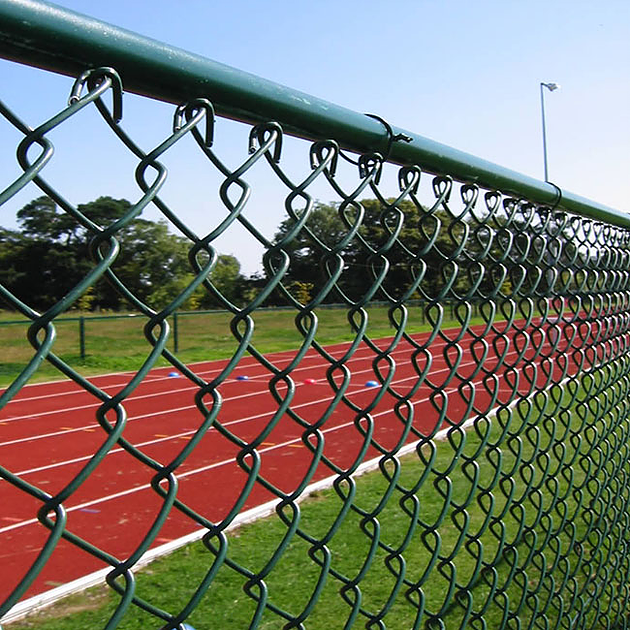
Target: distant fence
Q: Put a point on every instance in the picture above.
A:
(499, 448)
(82, 320)
(82, 334)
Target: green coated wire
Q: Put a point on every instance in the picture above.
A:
(516, 511)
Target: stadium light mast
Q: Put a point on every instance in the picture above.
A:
(551, 87)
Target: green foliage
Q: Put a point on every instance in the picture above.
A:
(416, 246)
(405, 250)
(441, 255)
(86, 301)
(301, 291)
(227, 282)
(50, 254)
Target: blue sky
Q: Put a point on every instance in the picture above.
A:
(463, 72)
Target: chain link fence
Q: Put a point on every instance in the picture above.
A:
(499, 441)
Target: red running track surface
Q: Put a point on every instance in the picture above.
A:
(49, 431)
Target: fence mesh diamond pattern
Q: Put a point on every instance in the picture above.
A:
(499, 440)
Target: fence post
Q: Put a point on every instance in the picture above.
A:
(175, 333)
(82, 337)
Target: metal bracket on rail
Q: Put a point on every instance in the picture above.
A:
(391, 138)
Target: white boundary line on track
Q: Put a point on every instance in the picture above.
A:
(180, 390)
(151, 414)
(189, 386)
(48, 598)
(206, 467)
(170, 367)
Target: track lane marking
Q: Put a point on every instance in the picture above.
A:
(182, 475)
(189, 386)
(165, 437)
(315, 355)
(294, 443)
(188, 407)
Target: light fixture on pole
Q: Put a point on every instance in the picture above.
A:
(551, 87)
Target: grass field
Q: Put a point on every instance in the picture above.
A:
(118, 343)
(531, 564)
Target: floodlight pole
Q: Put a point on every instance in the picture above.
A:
(551, 87)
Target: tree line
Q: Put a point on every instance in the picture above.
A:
(342, 253)
(399, 251)
(49, 254)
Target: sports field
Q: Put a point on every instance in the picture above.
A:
(50, 431)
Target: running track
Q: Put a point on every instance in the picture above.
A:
(49, 431)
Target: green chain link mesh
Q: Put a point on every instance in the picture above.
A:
(523, 445)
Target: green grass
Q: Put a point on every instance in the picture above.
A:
(556, 467)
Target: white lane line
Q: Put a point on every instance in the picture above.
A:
(182, 475)
(360, 354)
(152, 414)
(94, 377)
(189, 407)
(248, 361)
(133, 397)
(188, 473)
(224, 462)
(42, 436)
(192, 431)
(77, 460)
(156, 441)
(266, 375)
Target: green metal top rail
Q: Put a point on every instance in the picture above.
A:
(57, 39)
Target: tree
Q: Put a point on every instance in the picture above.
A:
(422, 248)
(41, 219)
(40, 268)
(49, 255)
(227, 279)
